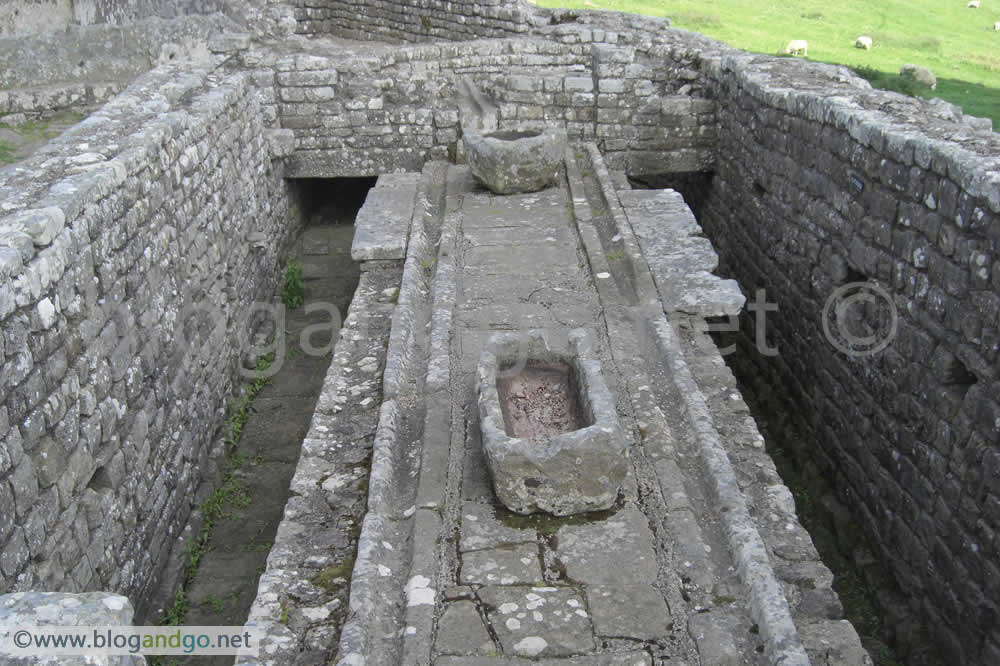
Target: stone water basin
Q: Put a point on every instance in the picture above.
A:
(549, 426)
(515, 161)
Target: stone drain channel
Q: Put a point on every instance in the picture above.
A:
(259, 467)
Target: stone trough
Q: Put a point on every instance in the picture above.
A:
(549, 426)
(516, 161)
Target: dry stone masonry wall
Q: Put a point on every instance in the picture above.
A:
(87, 65)
(397, 108)
(817, 189)
(132, 250)
(401, 21)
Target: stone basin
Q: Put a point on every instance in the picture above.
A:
(549, 426)
(514, 161)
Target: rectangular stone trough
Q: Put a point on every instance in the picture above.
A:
(549, 425)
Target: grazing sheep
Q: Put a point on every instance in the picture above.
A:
(921, 75)
(996, 26)
(797, 46)
(973, 4)
(863, 42)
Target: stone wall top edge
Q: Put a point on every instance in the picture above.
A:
(895, 125)
(89, 161)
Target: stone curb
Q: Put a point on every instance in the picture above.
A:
(358, 642)
(768, 605)
(645, 289)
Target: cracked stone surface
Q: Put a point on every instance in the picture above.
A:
(538, 621)
(628, 611)
(616, 551)
(502, 566)
(461, 631)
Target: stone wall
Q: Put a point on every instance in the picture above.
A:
(397, 108)
(38, 17)
(131, 250)
(85, 65)
(18, 17)
(118, 12)
(821, 181)
(402, 21)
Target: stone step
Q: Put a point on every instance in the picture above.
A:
(384, 220)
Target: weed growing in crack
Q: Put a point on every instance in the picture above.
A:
(293, 294)
(216, 604)
(232, 493)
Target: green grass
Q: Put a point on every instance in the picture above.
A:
(956, 43)
(231, 494)
(293, 294)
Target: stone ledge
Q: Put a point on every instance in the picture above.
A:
(382, 225)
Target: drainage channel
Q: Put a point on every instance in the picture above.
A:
(268, 422)
(870, 600)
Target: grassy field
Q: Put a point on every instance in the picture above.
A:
(958, 44)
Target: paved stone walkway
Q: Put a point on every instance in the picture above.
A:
(593, 589)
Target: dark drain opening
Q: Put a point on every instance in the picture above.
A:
(245, 508)
(331, 200)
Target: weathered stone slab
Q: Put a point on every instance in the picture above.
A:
(502, 566)
(680, 258)
(383, 223)
(481, 529)
(538, 621)
(628, 611)
(714, 634)
(461, 631)
(614, 551)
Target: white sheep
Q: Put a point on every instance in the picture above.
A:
(797, 46)
(973, 4)
(863, 42)
(996, 26)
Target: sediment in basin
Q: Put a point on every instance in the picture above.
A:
(541, 401)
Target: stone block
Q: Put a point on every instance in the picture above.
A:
(576, 470)
(510, 161)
